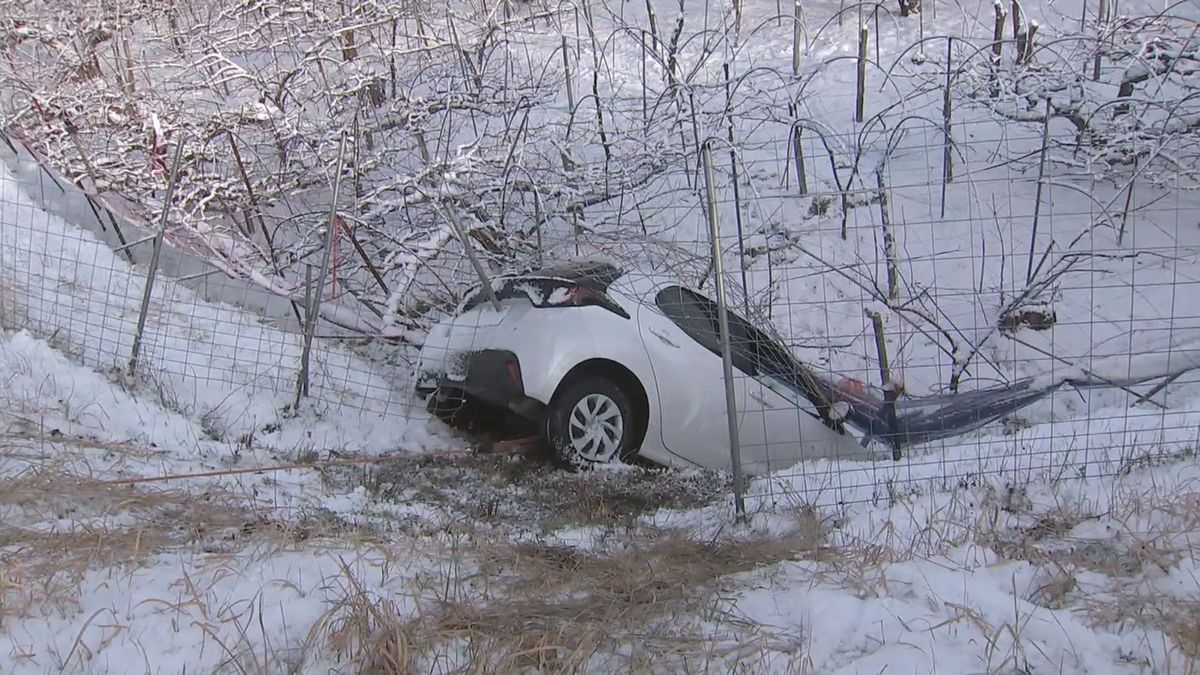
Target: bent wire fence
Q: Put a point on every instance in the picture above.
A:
(909, 213)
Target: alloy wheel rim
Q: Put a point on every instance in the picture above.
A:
(595, 428)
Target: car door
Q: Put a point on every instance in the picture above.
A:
(780, 428)
(689, 378)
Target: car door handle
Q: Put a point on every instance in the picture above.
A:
(664, 338)
(760, 399)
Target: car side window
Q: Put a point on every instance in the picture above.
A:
(681, 307)
(753, 351)
(699, 317)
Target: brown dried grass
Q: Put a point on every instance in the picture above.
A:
(111, 527)
(653, 605)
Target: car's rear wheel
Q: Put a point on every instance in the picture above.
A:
(589, 422)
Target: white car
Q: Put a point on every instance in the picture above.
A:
(610, 364)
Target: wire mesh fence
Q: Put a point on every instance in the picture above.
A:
(951, 256)
(213, 347)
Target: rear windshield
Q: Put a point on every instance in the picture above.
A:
(593, 274)
(539, 284)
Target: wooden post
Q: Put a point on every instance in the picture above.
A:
(576, 229)
(1101, 22)
(537, 224)
(947, 159)
(1027, 56)
(997, 44)
(1125, 212)
(567, 74)
(653, 23)
(885, 368)
(861, 88)
(645, 107)
(1037, 200)
(998, 33)
(798, 155)
(891, 387)
(875, 18)
(889, 239)
(798, 22)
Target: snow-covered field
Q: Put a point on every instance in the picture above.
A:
(1063, 540)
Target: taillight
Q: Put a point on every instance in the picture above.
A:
(514, 372)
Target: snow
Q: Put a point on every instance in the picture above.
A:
(204, 613)
(936, 597)
(1062, 543)
(208, 362)
(43, 390)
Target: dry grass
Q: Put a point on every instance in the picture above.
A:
(651, 606)
(59, 526)
(525, 493)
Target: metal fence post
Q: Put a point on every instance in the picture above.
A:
(154, 258)
(461, 233)
(308, 299)
(714, 229)
(314, 308)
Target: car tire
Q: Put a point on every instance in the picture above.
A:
(591, 421)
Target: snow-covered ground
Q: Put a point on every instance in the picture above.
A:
(307, 571)
(1064, 540)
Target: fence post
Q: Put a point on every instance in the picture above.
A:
(889, 239)
(567, 75)
(875, 19)
(313, 310)
(537, 223)
(798, 158)
(308, 296)
(737, 194)
(997, 33)
(891, 387)
(1128, 201)
(796, 27)
(860, 93)
(152, 273)
(470, 251)
(947, 159)
(714, 231)
(645, 105)
(1030, 42)
(1037, 200)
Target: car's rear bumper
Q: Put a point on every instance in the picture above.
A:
(492, 376)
